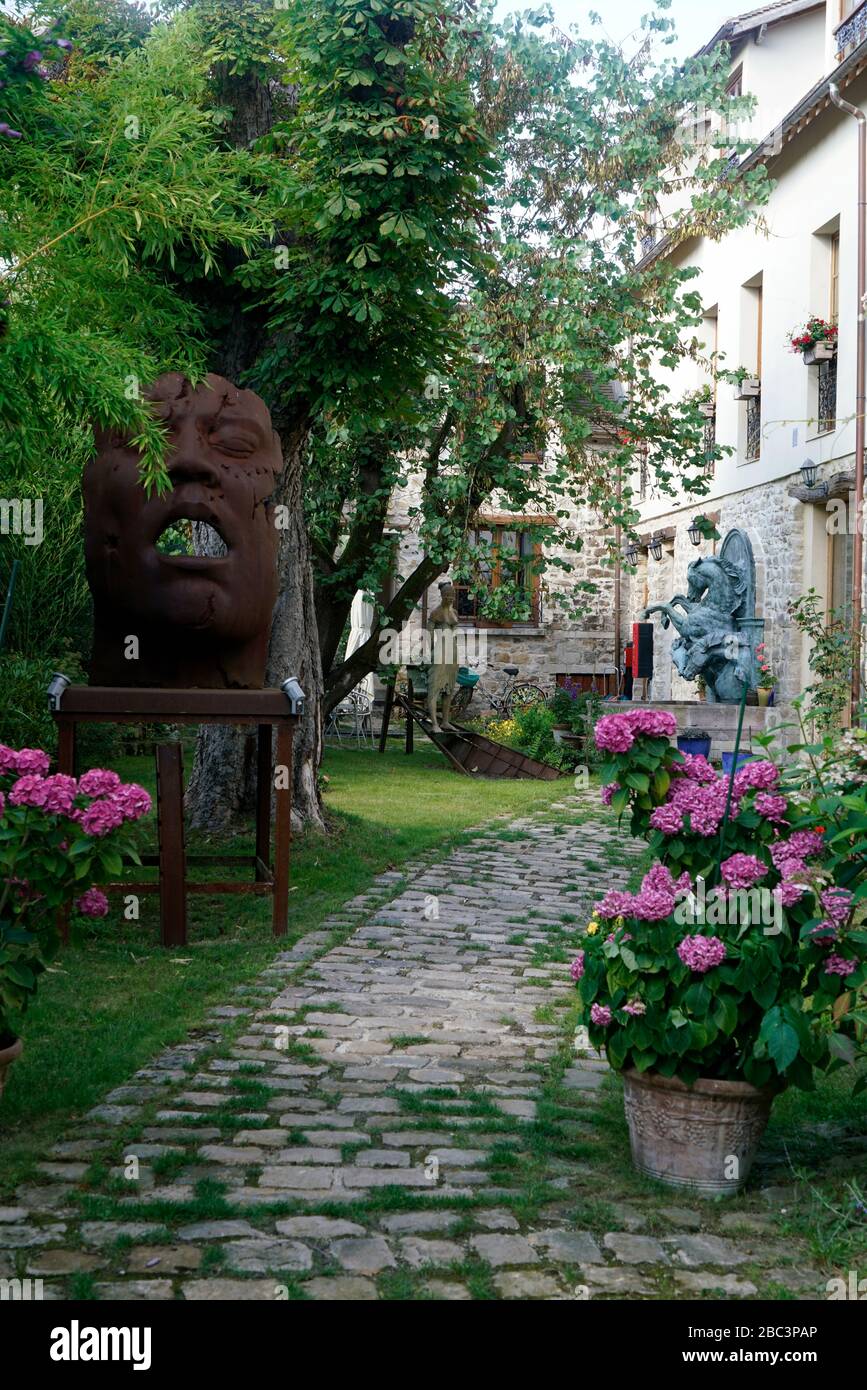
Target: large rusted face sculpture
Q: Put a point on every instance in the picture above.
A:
(179, 619)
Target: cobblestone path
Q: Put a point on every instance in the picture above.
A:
(398, 1115)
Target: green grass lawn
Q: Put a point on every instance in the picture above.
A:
(114, 997)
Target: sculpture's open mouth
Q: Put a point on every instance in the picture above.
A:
(191, 536)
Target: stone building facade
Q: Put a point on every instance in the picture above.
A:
(557, 641)
(759, 285)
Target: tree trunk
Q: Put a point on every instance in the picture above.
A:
(222, 782)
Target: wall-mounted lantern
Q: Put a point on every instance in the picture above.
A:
(694, 532)
(655, 547)
(809, 472)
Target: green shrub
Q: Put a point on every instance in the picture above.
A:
(25, 721)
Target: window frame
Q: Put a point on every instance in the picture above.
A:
(497, 525)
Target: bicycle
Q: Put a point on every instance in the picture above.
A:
(516, 695)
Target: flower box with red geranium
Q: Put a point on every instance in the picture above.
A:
(816, 341)
(58, 836)
(723, 984)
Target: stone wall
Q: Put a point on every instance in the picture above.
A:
(563, 642)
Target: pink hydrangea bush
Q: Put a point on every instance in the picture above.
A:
(57, 835)
(740, 964)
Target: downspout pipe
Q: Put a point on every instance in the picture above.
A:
(860, 397)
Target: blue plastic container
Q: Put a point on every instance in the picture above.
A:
(697, 747)
(728, 760)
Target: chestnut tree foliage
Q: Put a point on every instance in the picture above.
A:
(414, 230)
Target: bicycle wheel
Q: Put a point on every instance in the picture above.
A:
(461, 699)
(524, 694)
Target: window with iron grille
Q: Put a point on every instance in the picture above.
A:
(754, 428)
(827, 396)
(710, 445)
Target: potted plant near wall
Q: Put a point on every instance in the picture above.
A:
(767, 679)
(703, 399)
(816, 341)
(696, 742)
(58, 835)
(574, 711)
(729, 975)
(746, 386)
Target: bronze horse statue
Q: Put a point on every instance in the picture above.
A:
(709, 641)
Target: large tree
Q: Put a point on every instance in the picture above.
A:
(590, 145)
(422, 254)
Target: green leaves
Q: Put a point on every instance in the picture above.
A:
(778, 1039)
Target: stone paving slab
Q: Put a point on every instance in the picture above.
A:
(400, 1074)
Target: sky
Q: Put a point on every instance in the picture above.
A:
(695, 23)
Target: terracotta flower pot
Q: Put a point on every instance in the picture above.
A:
(702, 1137)
(8, 1055)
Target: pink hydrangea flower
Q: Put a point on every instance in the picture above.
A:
(789, 867)
(667, 818)
(764, 776)
(805, 843)
(133, 800)
(742, 870)
(100, 818)
(32, 760)
(635, 1007)
(825, 932)
(789, 893)
(8, 759)
(696, 767)
(613, 734)
(99, 782)
(616, 903)
(61, 791)
(93, 903)
(29, 791)
(656, 723)
(701, 953)
(576, 969)
(607, 793)
(837, 902)
(600, 1014)
(837, 965)
(773, 808)
(654, 901)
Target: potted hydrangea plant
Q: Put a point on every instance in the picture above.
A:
(58, 834)
(726, 977)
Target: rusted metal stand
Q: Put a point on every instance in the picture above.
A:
(266, 709)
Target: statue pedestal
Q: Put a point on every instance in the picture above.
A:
(720, 721)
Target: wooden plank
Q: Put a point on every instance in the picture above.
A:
(170, 827)
(282, 833)
(263, 803)
(132, 704)
(262, 890)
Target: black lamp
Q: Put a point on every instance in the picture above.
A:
(655, 547)
(809, 472)
(631, 553)
(694, 532)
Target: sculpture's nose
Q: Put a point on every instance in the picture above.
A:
(189, 462)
